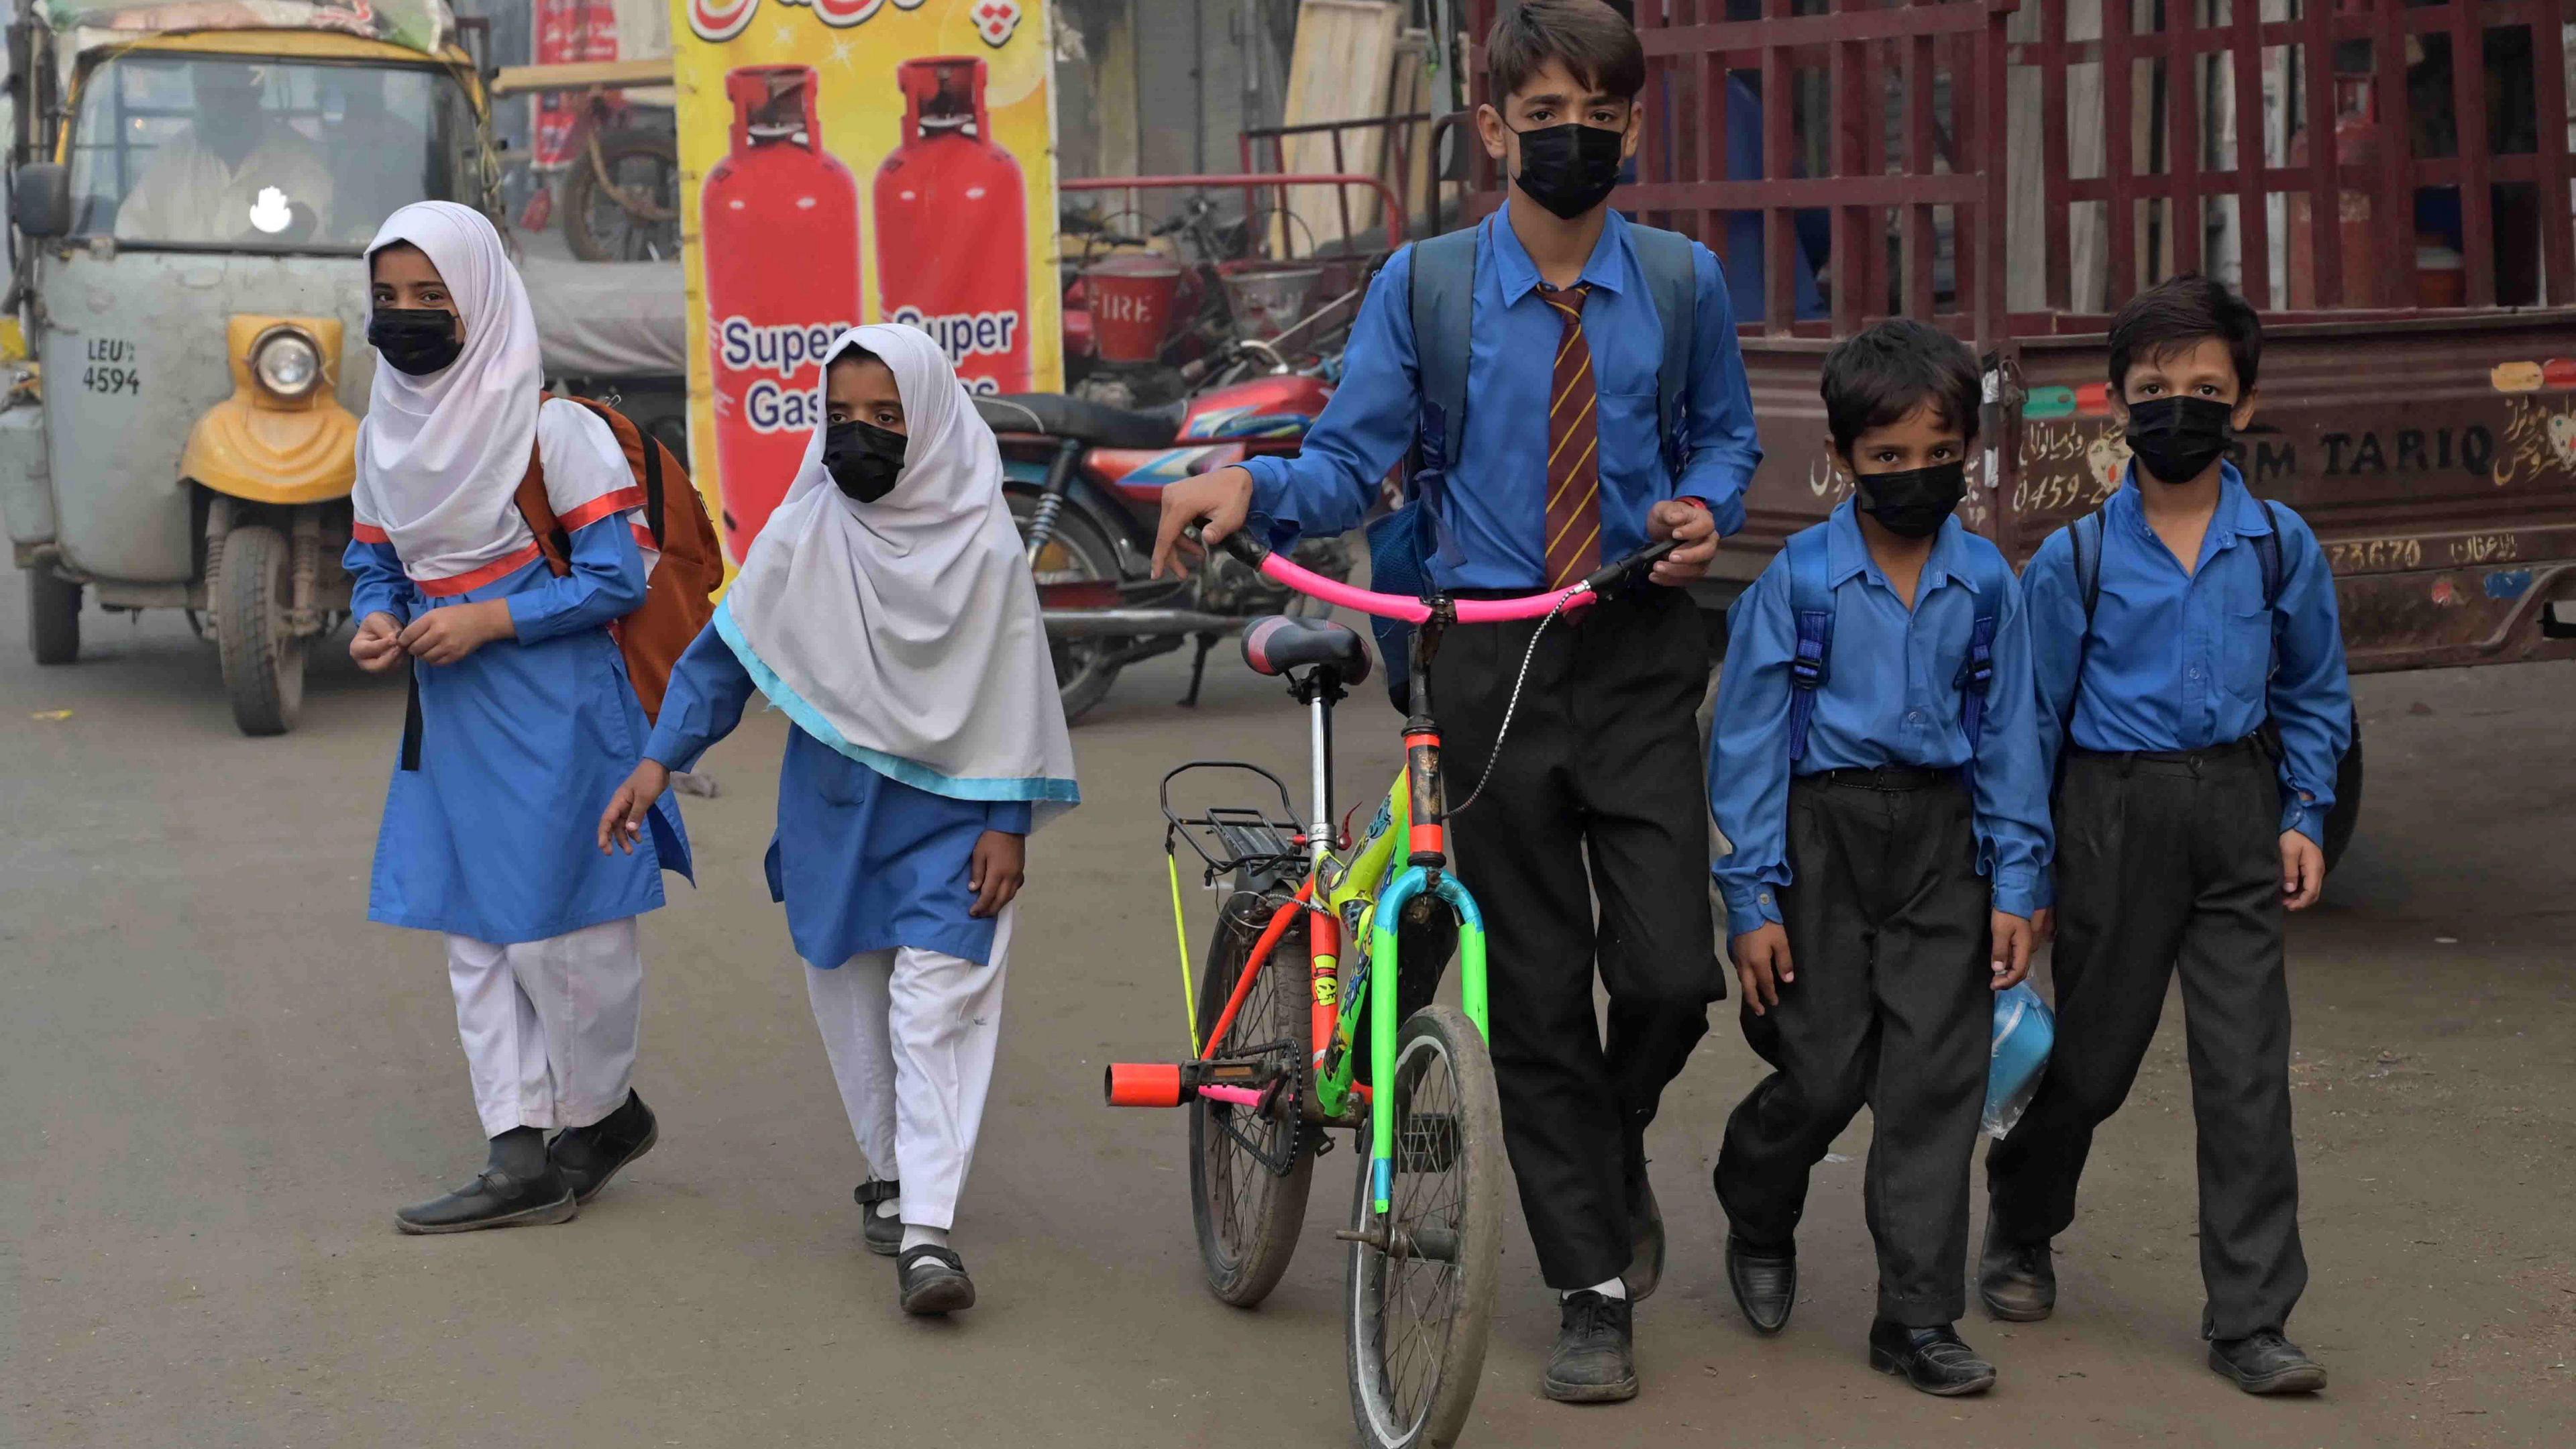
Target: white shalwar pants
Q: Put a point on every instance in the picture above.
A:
(912, 1035)
(549, 1026)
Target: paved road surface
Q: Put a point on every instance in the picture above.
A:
(219, 1080)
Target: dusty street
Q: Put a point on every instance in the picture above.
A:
(219, 1079)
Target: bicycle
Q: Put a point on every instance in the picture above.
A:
(1266, 1082)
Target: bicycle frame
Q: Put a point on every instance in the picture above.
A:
(1415, 815)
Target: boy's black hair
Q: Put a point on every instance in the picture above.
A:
(1878, 375)
(1594, 41)
(2178, 312)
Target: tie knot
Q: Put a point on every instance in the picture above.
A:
(1568, 300)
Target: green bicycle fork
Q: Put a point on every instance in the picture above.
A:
(1383, 1029)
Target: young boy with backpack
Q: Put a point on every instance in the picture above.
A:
(1573, 386)
(2191, 674)
(1875, 766)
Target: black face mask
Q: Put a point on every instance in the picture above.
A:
(1569, 169)
(864, 459)
(416, 340)
(1912, 504)
(2176, 438)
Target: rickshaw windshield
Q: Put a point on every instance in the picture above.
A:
(218, 152)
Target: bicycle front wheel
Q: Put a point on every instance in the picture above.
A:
(1422, 1286)
(1248, 1211)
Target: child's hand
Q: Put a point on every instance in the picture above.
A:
(378, 644)
(2043, 925)
(2014, 940)
(1220, 500)
(1762, 964)
(995, 872)
(2303, 871)
(623, 820)
(1697, 530)
(443, 636)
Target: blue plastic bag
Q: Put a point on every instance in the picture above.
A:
(2025, 1029)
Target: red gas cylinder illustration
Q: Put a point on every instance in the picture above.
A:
(780, 219)
(952, 227)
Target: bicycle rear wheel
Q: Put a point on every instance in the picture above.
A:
(1419, 1314)
(1248, 1213)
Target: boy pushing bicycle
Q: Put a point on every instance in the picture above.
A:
(1609, 409)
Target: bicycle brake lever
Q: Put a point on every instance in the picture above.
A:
(1240, 543)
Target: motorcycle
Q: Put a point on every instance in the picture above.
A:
(1085, 482)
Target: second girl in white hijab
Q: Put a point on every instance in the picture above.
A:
(888, 610)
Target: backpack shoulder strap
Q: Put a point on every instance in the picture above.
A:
(1977, 671)
(1672, 278)
(2267, 552)
(538, 511)
(1811, 603)
(2086, 534)
(1442, 297)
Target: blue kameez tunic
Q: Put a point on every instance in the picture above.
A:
(863, 862)
(523, 742)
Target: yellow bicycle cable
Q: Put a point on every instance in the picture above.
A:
(1181, 939)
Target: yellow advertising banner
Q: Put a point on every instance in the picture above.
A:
(846, 161)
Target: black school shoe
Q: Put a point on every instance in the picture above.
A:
(2016, 1281)
(1765, 1281)
(880, 1233)
(589, 1156)
(2267, 1363)
(1645, 1238)
(494, 1199)
(1595, 1359)
(930, 1281)
(1935, 1360)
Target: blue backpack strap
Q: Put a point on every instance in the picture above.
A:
(1443, 299)
(1672, 279)
(1977, 671)
(1811, 602)
(2085, 534)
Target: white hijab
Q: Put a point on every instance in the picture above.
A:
(905, 633)
(439, 457)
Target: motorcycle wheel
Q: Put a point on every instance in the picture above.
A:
(1078, 553)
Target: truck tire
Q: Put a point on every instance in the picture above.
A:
(263, 663)
(53, 616)
(2346, 814)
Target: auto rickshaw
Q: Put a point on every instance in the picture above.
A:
(191, 186)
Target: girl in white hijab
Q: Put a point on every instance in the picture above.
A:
(888, 610)
(523, 718)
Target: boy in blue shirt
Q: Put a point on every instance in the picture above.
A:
(2202, 708)
(1559, 462)
(1875, 765)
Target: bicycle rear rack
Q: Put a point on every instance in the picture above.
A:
(1235, 839)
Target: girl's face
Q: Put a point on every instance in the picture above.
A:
(401, 278)
(863, 389)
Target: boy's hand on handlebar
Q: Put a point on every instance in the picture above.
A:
(1219, 500)
(1694, 529)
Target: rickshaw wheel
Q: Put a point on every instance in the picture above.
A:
(53, 616)
(263, 659)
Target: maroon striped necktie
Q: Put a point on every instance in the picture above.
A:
(1573, 450)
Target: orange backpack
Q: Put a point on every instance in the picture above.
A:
(676, 595)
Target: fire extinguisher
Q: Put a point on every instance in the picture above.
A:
(952, 227)
(780, 222)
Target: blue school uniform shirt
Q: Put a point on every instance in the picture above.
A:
(862, 861)
(1891, 697)
(1495, 505)
(2183, 661)
(522, 744)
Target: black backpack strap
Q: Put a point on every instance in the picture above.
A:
(411, 719)
(2267, 552)
(2085, 534)
(1672, 279)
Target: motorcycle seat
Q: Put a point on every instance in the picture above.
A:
(1057, 416)
(1279, 643)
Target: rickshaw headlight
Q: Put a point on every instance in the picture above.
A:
(287, 363)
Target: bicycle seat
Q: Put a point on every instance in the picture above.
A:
(1279, 643)
(1058, 416)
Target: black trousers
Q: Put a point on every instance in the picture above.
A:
(2164, 863)
(1599, 793)
(1893, 1007)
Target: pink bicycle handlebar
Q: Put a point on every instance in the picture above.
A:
(1278, 569)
